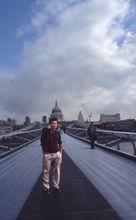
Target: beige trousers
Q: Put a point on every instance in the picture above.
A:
(51, 160)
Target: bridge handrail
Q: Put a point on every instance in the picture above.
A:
(19, 132)
(131, 136)
(105, 131)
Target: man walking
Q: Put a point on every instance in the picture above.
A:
(52, 156)
(92, 134)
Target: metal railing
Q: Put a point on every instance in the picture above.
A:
(13, 141)
(18, 132)
(124, 142)
(115, 140)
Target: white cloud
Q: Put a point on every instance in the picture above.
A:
(77, 57)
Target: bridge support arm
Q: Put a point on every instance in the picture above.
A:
(133, 143)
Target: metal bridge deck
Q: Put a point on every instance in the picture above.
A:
(113, 175)
(79, 199)
(109, 177)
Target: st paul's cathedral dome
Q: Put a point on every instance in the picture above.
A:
(56, 112)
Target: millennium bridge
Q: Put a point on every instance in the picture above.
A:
(97, 184)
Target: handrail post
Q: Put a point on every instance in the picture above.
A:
(117, 141)
(134, 146)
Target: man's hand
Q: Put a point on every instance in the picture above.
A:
(61, 148)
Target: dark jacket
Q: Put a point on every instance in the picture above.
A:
(51, 142)
(91, 131)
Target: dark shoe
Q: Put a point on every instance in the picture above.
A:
(92, 148)
(57, 190)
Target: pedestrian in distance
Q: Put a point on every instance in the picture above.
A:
(52, 156)
(92, 135)
(64, 128)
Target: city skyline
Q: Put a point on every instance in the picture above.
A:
(72, 51)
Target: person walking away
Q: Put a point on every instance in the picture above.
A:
(92, 135)
(52, 156)
(64, 128)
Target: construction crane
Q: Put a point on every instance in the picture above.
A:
(89, 114)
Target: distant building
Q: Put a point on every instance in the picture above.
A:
(80, 117)
(27, 120)
(56, 112)
(3, 122)
(5, 129)
(7, 125)
(14, 122)
(11, 121)
(109, 118)
(122, 125)
(126, 125)
(8, 122)
(44, 119)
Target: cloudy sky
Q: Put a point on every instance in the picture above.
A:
(72, 51)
